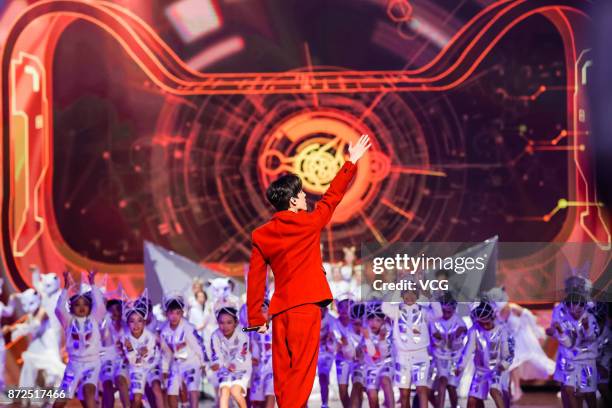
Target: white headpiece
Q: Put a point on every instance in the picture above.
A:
(80, 289)
(139, 305)
(50, 282)
(498, 296)
(115, 294)
(173, 296)
(30, 300)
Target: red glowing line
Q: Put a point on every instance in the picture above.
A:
(414, 170)
(257, 86)
(409, 215)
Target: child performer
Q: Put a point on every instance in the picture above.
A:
(81, 317)
(491, 346)
(114, 370)
(357, 364)
(182, 353)
(262, 383)
(376, 348)
(230, 358)
(411, 343)
(327, 351)
(154, 326)
(141, 349)
(604, 350)
(43, 352)
(579, 336)
(447, 341)
(345, 354)
(5, 311)
(560, 316)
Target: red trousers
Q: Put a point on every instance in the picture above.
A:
(295, 352)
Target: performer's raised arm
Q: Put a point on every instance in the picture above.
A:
(61, 309)
(98, 309)
(325, 207)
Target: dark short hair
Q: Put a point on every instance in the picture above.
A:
(174, 305)
(137, 311)
(112, 302)
(228, 310)
(145, 302)
(282, 190)
(73, 299)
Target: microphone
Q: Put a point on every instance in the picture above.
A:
(250, 329)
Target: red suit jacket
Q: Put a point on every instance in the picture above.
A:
(290, 244)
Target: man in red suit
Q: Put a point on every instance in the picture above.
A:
(290, 244)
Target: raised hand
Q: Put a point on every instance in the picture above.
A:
(92, 276)
(66, 278)
(357, 151)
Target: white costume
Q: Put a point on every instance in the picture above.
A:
(5, 311)
(182, 356)
(411, 340)
(43, 353)
(580, 339)
(203, 319)
(48, 286)
(604, 352)
(233, 351)
(83, 342)
(222, 293)
(529, 358)
(377, 356)
(327, 345)
(530, 362)
(113, 362)
(262, 380)
(346, 353)
(142, 355)
(492, 352)
(447, 342)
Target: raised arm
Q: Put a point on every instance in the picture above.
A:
(61, 309)
(36, 279)
(98, 308)
(391, 310)
(324, 209)
(256, 286)
(434, 310)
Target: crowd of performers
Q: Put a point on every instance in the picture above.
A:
(163, 355)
